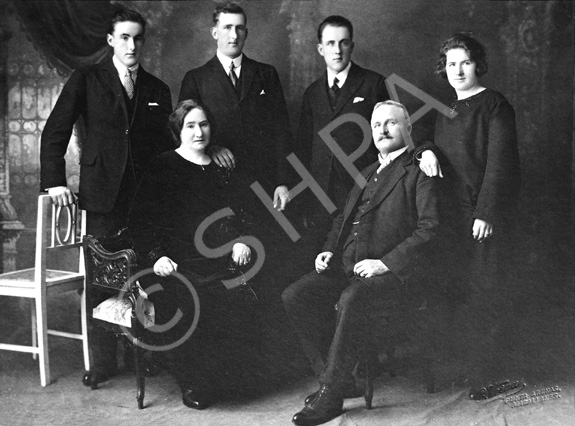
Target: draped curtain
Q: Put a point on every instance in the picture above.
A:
(68, 33)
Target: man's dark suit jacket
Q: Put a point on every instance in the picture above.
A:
(254, 126)
(400, 222)
(96, 94)
(361, 91)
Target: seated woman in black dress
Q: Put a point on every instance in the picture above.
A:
(181, 189)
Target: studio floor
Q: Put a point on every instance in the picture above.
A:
(398, 401)
(543, 362)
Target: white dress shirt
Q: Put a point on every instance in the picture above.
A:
(341, 76)
(226, 62)
(121, 68)
(384, 161)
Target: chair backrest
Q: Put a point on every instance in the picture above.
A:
(107, 269)
(58, 228)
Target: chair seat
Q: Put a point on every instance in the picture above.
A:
(118, 310)
(24, 280)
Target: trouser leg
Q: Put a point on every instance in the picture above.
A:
(104, 343)
(310, 305)
(351, 325)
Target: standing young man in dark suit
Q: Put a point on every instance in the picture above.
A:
(125, 112)
(376, 249)
(344, 88)
(250, 120)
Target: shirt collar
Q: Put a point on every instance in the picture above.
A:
(226, 61)
(384, 161)
(341, 76)
(121, 68)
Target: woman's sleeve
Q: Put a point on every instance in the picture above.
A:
(501, 182)
(146, 215)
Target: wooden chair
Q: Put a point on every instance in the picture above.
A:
(109, 266)
(391, 325)
(405, 325)
(57, 230)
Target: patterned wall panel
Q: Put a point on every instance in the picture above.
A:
(33, 90)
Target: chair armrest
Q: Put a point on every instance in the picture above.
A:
(108, 269)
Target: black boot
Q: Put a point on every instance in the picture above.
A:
(196, 399)
(349, 391)
(326, 406)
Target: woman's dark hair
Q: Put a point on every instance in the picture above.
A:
(176, 118)
(126, 15)
(474, 49)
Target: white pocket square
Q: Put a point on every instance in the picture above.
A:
(152, 104)
(357, 99)
(263, 92)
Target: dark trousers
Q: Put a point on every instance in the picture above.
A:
(103, 343)
(332, 340)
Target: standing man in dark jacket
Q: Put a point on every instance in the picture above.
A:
(246, 101)
(344, 88)
(125, 111)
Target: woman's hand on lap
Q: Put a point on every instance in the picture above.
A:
(165, 266)
(241, 254)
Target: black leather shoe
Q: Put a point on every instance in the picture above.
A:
(195, 399)
(327, 405)
(349, 392)
(93, 378)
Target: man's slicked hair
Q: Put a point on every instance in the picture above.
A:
(126, 15)
(336, 21)
(233, 8)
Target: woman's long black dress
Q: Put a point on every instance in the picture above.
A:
(480, 161)
(173, 201)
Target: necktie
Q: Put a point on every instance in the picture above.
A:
(129, 84)
(233, 76)
(333, 91)
(383, 163)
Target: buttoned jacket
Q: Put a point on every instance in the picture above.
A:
(362, 90)
(95, 95)
(254, 126)
(398, 224)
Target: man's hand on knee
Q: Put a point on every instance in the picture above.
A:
(370, 268)
(322, 261)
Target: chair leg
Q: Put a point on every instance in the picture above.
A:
(368, 391)
(371, 363)
(140, 376)
(84, 325)
(42, 328)
(429, 377)
(391, 361)
(34, 328)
